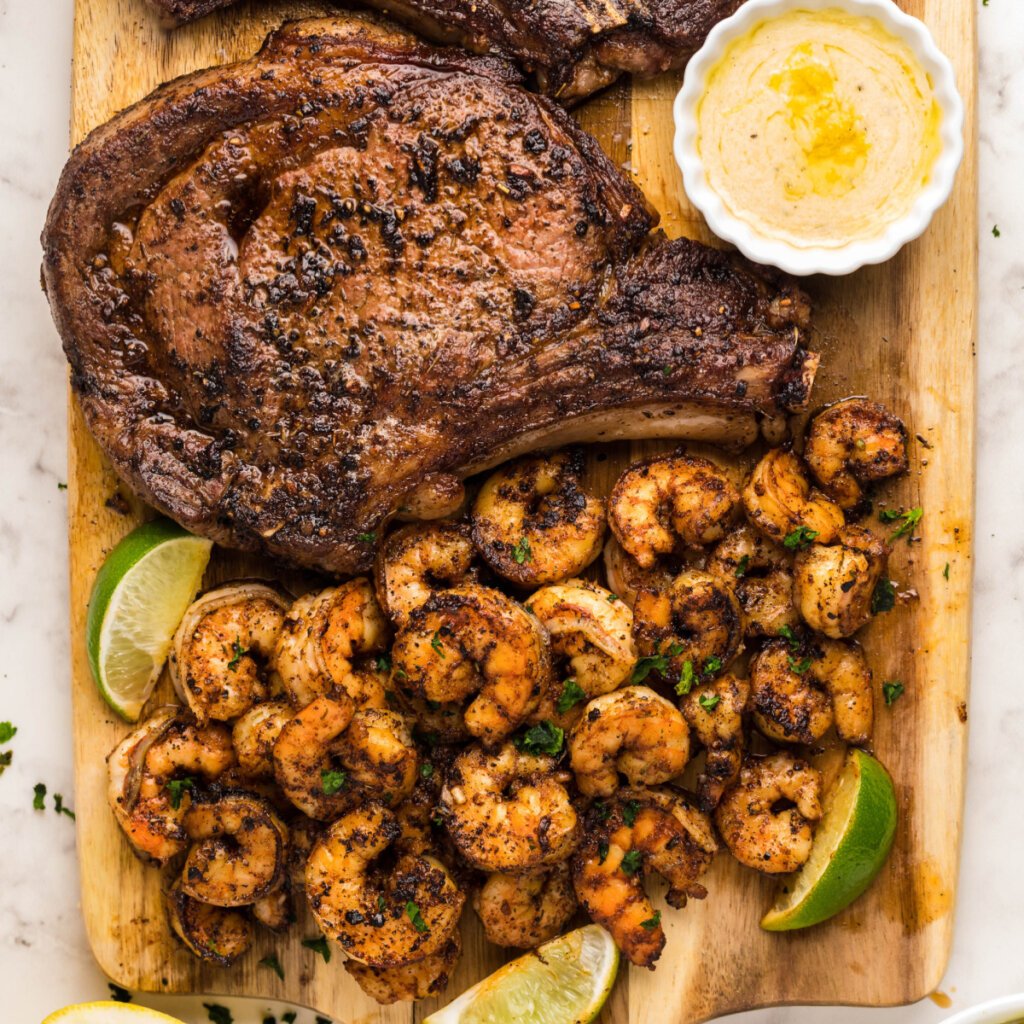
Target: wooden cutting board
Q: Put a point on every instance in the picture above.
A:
(902, 333)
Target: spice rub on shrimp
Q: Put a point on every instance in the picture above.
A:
(509, 811)
(474, 642)
(797, 694)
(152, 774)
(420, 558)
(641, 831)
(221, 656)
(239, 851)
(852, 444)
(254, 734)
(625, 576)
(779, 501)
(715, 710)
(835, 583)
(219, 935)
(592, 630)
(522, 911)
(672, 501)
(386, 909)
(533, 522)
(328, 757)
(418, 980)
(323, 635)
(767, 819)
(633, 732)
(762, 573)
(693, 627)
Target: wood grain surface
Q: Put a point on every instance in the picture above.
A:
(902, 333)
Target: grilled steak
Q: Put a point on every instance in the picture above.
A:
(573, 47)
(301, 292)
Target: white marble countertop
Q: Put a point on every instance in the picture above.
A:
(44, 958)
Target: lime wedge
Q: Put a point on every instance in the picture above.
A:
(109, 1013)
(140, 594)
(564, 981)
(851, 844)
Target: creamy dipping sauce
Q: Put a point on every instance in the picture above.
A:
(818, 128)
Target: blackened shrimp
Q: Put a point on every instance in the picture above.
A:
(219, 935)
(534, 523)
(254, 734)
(642, 831)
(522, 911)
(408, 982)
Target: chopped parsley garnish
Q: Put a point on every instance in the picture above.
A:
(237, 653)
(118, 994)
(572, 693)
(630, 809)
(177, 787)
(884, 597)
(945, 572)
(602, 810)
(289, 1017)
(543, 738)
(995, 227)
(522, 551)
(656, 662)
(416, 917)
(741, 567)
(801, 537)
(383, 663)
(787, 634)
(435, 642)
(7, 732)
(892, 690)
(61, 486)
(713, 664)
(322, 1020)
(799, 667)
(686, 678)
(613, 598)
(38, 801)
(602, 851)
(709, 701)
(332, 780)
(366, 538)
(652, 922)
(274, 964)
(319, 945)
(426, 770)
(5, 760)
(907, 519)
(631, 862)
(59, 808)
(218, 1014)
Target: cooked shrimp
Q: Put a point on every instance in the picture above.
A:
(221, 654)
(625, 577)
(426, 977)
(329, 756)
(669, 501)
(239, 850)
(522, 911)
(276, 910)
(693, 628)
(475, 640)
(763, 574)
(324, 632)
(632, 731)
(640, 832)
(254, 734)
(780, 503)
(796, 695)
(152, 773)
(533, 523)
(715, 712)
(509, 811)
(853, 443)
(592, 630)
(417, 559)
(383, 912)
(766, 819)
(217, 934)
(835, 583)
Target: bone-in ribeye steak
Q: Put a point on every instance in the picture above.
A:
(303, 291)
(573, 47)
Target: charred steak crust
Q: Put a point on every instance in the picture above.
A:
(297, 291)
(573, 47)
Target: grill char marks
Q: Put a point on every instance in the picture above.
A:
(572, 47)
(290, 310)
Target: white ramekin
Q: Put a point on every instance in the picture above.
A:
(995, 1011)
(819, 260)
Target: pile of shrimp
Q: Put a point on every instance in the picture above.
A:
(482, 717)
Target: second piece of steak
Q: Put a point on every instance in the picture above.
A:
(572, 47)
(301, 292)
